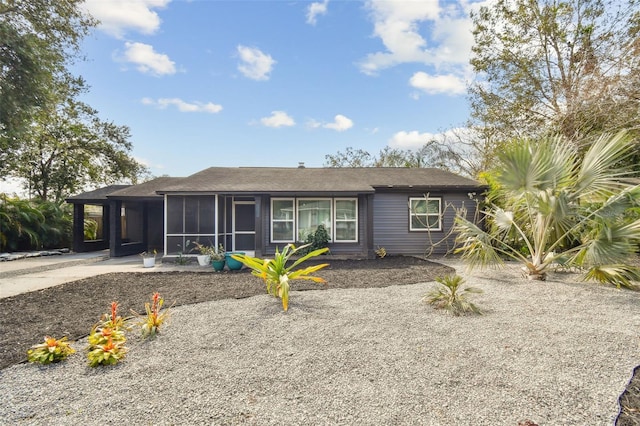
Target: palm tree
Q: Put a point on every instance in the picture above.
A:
(560, 208)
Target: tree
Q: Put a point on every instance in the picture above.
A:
(38, 39)
(568, 67)
(429, 155)
(69, 147)
(350, 158)
(34, 224)
(558, 207)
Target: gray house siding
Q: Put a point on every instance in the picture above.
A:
(391, 222)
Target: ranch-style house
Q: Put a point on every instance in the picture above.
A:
(256, 209)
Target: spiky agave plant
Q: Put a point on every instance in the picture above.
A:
(452, 297)
(276, 274)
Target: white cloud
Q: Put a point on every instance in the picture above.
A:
(147, 60)
(414, 140)
(421, 32)
(119, 16)
(313, 124)
(436, 84)
(340, 123)
(255, 64)
(410, 140)
(278, 119)
(315, 9)
(183, 106)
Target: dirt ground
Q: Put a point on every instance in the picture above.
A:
(72, 309)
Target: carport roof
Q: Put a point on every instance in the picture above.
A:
(97, 195)
(147, 189)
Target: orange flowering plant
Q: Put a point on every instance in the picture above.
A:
(106, 340)
(52, 350)
(275, 273)
(155, 316)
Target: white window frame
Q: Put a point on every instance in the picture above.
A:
(293, 220)
(330, 200)
(427, 215)
(336, 219)
(333, 218)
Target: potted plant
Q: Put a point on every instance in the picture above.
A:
(233, 264)
(217, 258)
(204, 258)
(149, 259)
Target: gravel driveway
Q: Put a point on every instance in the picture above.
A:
(554, 353)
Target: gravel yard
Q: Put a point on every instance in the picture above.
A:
(365, 350)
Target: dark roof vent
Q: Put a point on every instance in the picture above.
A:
(301, 165)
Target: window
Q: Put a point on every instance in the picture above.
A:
(312, 213)
(282, 220)
(424, 214)
(293, 219)
(346, 220)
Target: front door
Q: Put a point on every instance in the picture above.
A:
(244, 226)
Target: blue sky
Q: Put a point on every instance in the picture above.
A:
(272, 83)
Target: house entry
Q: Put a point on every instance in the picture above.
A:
(244, 226)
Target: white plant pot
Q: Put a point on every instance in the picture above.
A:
(204, 260)
(149, 262)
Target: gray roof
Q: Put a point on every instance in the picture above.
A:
(311, 180)
(146, 189)
(97, 195)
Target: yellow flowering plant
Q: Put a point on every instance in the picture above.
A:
(52, 350)
(276, 274)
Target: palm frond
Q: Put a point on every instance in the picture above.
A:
(599, 175)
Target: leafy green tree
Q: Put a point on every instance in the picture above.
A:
(69, 147)
(34, 224)
(546, 67)
(20, 222)
(562, 209)
(38, 40)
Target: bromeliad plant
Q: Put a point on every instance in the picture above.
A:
(52, 350)
(452, 297)
(155, 316)
(277, 275)
(107, 339)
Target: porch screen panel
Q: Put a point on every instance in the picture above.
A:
(174, 215)
(207, 214)
(189, 219)
(311, 214)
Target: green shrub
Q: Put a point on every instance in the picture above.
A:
(451, 297)
(316, 240)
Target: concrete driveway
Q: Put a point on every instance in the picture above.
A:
(31, 274)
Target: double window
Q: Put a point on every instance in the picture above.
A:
(425, 214)
(293, 219)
